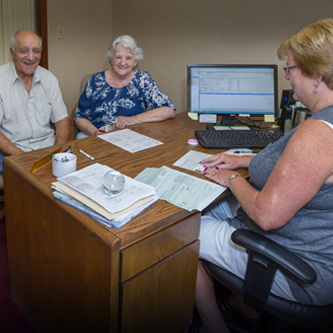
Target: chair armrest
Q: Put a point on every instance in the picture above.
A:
(283, 258)
(72, 126)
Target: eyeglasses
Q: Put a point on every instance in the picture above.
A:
(288, 69)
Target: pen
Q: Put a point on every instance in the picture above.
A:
(55, 157)
(245, 152)
(85, 154)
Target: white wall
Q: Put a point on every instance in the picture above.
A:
(87, 33)
(173, 33)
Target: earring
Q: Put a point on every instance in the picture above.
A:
(315, 91)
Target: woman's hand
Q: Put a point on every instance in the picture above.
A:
(122, 122)
(227, 161)
(219, 176)
(159, 114)
(86, 127)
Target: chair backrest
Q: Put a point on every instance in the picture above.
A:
(73, 129)
(84, 82)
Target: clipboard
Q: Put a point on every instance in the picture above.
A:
(44, 160)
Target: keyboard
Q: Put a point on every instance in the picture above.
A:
(237, 138)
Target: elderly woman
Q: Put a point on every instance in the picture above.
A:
(120, 95)
(290, 192)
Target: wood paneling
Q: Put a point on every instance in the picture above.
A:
(41, 27)
(65, 268)
(174, 278)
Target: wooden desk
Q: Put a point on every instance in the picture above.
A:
(70, 273)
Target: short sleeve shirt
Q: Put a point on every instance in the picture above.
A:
(25, 117)
(101, 104)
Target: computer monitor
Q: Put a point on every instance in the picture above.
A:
(232, 90)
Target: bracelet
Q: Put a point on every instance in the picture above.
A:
(233, 177)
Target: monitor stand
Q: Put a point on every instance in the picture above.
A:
(228, 121)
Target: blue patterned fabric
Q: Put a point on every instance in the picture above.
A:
(101, 104)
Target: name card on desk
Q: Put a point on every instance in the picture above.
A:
(208, 118)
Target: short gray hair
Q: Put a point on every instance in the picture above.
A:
(125, 41)
(13, 42)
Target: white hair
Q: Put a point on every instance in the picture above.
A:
(125, 41)
(13, 42)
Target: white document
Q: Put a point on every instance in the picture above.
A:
(231, 128)
(191, 161)
(130, 140)
(181, 189)
(88, 181)
(91, 204)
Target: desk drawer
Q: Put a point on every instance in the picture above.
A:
(161, 299)
(155, 248)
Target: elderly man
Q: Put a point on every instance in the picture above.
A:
(30, 98)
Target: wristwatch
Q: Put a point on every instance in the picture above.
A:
(233, 177)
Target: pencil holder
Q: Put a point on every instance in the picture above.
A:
(63, 164)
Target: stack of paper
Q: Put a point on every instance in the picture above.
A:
(83, 190)
(181, 189)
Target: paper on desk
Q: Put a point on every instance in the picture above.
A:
(88, 181)
(181, 189)
(130, 140)
(191, 160)
(97, 207)
(229, 128)
(114, 222)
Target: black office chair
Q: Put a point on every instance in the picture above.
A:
(265, 257)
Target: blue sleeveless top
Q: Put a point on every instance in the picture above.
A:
(309, 234)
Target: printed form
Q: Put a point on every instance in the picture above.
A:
(130, 140)
(181, 189)
(191, 160)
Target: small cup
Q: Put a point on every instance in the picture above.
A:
(63, 164)
(113, 182)
(287, 126)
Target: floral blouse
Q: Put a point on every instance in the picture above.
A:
(102, 104)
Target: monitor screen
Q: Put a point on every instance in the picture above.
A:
(232, 90)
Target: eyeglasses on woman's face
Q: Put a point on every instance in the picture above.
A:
(289, 69)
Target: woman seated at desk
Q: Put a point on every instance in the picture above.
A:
(290, 193)
(120, 95)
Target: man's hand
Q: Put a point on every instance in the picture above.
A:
(7, 148)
